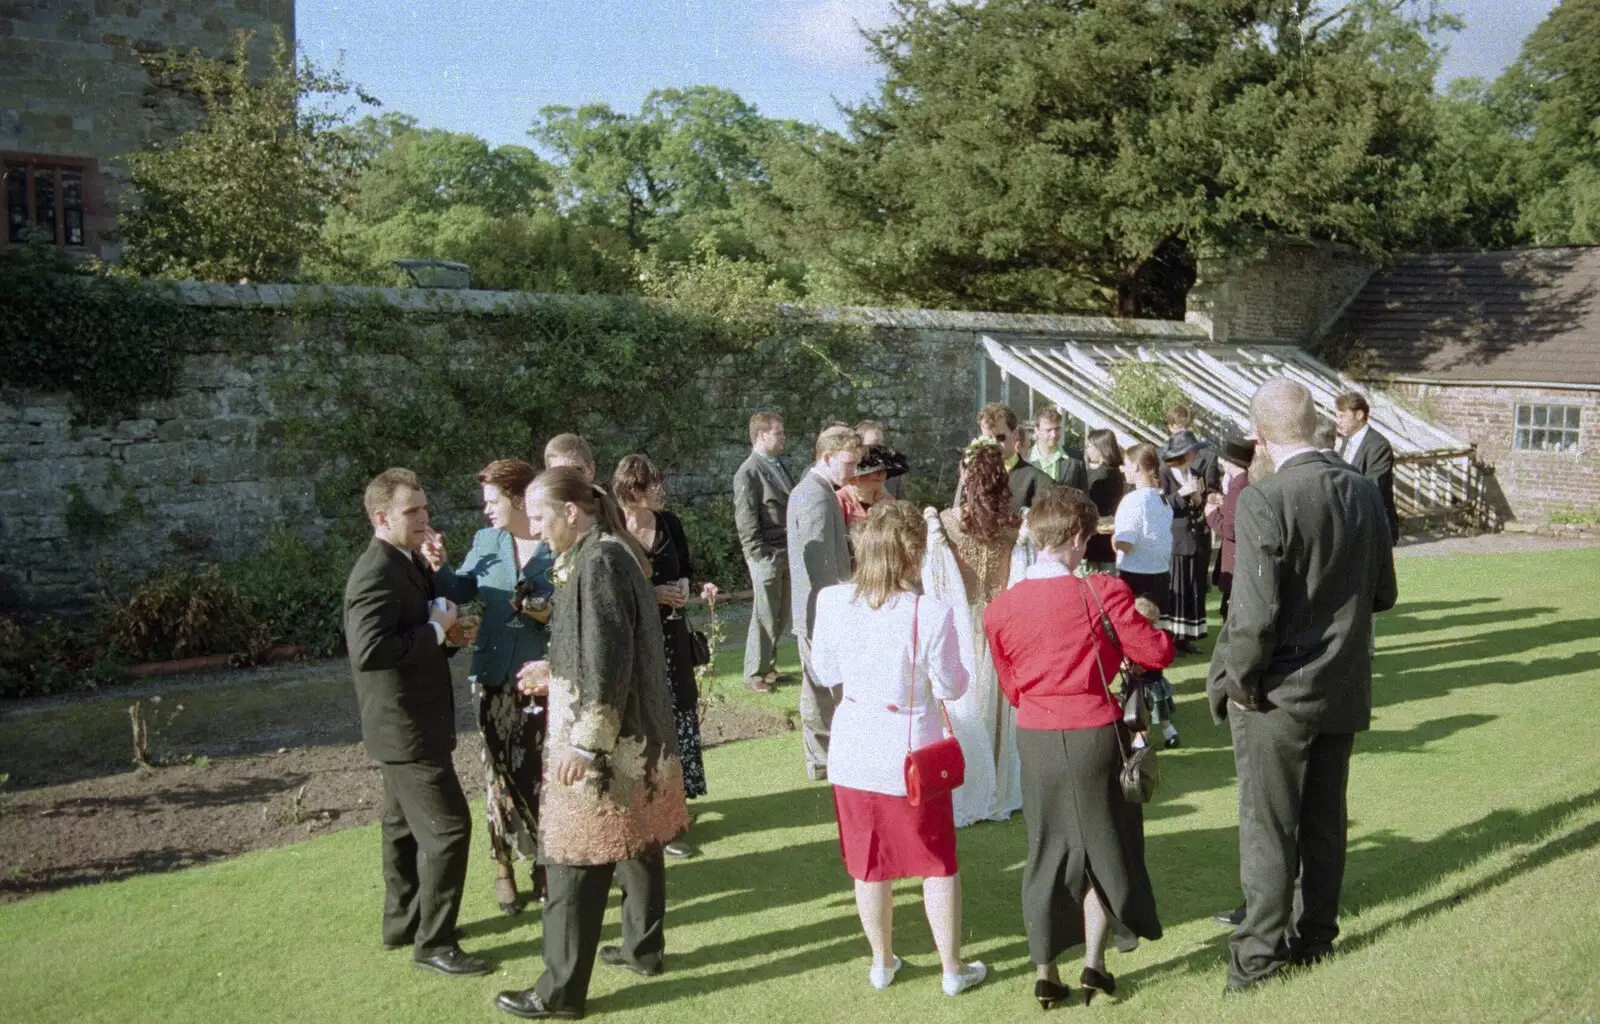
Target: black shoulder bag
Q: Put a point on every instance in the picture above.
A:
(1139, 775)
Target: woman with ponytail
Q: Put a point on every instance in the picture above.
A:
(613, 780)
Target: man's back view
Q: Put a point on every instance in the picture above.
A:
(1292, 675)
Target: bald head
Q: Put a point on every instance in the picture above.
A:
(1284, 413)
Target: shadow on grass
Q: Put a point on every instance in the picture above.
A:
(110, 869)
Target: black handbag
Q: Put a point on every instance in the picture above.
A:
(1139, 775)
(699, 648)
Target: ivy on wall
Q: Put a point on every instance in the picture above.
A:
(444, 392)
(108, 342)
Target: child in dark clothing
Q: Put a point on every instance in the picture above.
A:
(1152, 685)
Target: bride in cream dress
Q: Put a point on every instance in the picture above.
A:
(976, 550)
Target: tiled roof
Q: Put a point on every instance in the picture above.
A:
(1528, 315)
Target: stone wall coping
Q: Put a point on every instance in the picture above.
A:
(456, 300)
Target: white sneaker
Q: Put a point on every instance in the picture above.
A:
(882, 976)
(970, 977)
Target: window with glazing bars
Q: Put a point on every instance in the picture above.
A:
(44, 203)
(1548, 428)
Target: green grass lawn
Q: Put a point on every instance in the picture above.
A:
(1472, 891)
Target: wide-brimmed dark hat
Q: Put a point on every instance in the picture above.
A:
(1182, 443)
(1238, 450)
(880, 458)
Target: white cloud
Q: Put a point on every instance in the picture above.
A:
(827, 32)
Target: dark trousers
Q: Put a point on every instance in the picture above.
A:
(427, 830)
(1292, 829)
(575, 910)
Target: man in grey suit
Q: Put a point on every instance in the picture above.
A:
(819, 556)
(760, 511)
(1292, 676)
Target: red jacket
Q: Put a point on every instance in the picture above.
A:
(1045, 637)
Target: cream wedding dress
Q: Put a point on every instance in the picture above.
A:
(964, 572)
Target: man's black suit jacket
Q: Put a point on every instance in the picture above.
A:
(401, 672)
(1313, 563)
(1375, 461)
(1027, 483)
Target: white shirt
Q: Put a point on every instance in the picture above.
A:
(1144, 519)
(868, 652)
(1352, 444)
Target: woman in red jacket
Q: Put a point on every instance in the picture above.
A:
(1085, 867)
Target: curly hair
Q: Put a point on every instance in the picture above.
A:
(986, 510)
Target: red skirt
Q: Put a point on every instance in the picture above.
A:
(884, 837)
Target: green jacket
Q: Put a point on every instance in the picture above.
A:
(506, 640)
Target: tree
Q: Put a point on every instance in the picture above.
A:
(1033, 155)
(1553, 94)
(673, 172)
(426, 193)
(245, 194)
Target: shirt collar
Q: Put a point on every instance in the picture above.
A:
(1044, 458)
(1354, 444)
(1011, 461)
(1280, 459)
(1047, 569)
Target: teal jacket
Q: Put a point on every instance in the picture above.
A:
(506, 640)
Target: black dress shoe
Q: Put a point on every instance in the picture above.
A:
(1051, 994)
(452, 961)
(1096, 981)
(1186, 646)
(612, 956)
(1232, 918)
(527, 1005)
(680, 849)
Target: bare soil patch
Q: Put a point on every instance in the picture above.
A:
(255, 759)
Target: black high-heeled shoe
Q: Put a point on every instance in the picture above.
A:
(1051, 994)
(1096, 981)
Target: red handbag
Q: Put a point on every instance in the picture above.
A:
(939, 767)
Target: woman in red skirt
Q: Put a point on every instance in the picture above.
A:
(895, 654)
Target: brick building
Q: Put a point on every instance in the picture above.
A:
(77, 92)
(1501, 349)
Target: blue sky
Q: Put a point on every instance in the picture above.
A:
(487, 66)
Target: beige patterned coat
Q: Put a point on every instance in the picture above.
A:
(609, 697)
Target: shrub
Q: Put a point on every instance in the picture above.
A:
(294, 592)
(52, 656)
(179, 613)
(714, 543)
(1145, 390)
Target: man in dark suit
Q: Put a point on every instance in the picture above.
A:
(398, 638)
(1367, 451)
(760, 512)
(1050, 457)
(1292, 676)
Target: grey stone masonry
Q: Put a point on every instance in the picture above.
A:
(206, 474)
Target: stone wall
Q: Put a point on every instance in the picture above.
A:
(1288, 294)
(1526, 485)
(202, 476)
(73, 85)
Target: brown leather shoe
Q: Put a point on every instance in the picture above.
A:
(755, 684)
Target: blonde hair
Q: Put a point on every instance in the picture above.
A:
(380, 492)
(569, 446)
(837, 439)
(889, 552)
(996, 415)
